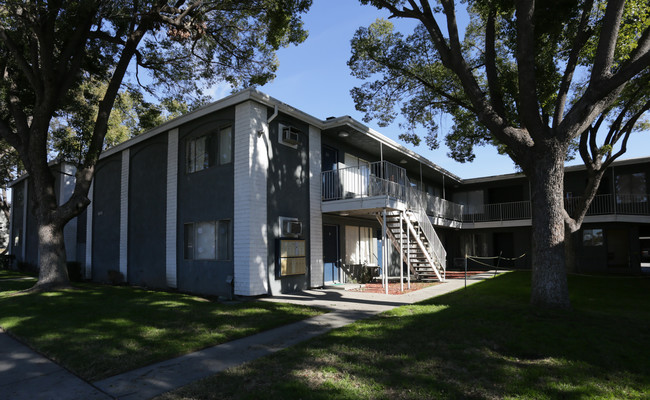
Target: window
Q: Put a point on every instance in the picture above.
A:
(197, 154)
(207, 240)
(592, 237)
(225, 145)
(631, 188)
(360, 245)
(204, 151)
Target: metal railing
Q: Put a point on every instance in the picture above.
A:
(498, 212)
(387, 179)
(604, 204)
(441, 208)
(383, 178)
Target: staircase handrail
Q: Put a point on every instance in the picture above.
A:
(417, 204)
(427, 254)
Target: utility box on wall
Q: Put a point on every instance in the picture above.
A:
(293, 260)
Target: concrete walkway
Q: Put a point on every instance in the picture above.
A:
(27, 375)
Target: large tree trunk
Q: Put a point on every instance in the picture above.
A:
(549, 280)
(52, 271)
(50, 221)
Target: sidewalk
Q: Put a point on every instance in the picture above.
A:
(26, 375)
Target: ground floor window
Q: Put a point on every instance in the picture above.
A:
(592, 237)
(360, 246)
(208, 240)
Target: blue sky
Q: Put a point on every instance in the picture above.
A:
(315, 78)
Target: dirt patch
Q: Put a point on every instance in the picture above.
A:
(394, 287)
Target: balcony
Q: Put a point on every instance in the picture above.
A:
(380, 185)
(605, 207)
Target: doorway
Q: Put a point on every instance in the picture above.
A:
(504, 246)
(331, 254)
(618, 248)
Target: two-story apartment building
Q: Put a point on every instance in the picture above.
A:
(250, 196)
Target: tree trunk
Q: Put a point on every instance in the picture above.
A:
(52, 271)
(549, 280)
(569, 250)
(50, 221)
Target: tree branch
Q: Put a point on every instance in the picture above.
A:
(607, 41)
(579, 41)
(525, 54)
(490, 65)
(22, 63)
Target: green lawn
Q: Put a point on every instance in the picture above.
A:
(98, 331)
(480, 343)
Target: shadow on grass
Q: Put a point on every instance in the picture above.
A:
(482, 342)
(98, 331)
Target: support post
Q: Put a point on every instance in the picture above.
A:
(401, 252)
(408, 257)
(384, 256)
(465, 271)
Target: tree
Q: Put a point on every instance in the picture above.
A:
(50, 49)
(536, 79)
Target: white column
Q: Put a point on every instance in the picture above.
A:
(124, 214)
(171, 219)
(23, 239)
(408, 256)
(251, 162)
(401, 251)
(315, 213)
(10, 224)
(89, 233)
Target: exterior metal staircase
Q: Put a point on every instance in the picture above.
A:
(415, 238)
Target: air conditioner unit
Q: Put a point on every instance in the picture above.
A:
(290, 135)
(291, 228)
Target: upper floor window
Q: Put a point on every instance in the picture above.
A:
(198, 157)
(225, 145)
(631, 188)
(203, 151)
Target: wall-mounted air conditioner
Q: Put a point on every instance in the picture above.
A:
(291, 227)
(289, 135)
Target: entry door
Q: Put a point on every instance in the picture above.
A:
(331, 255)
(504, 245)
(618, 248)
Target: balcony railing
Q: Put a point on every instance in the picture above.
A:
(382, 178)
(605, 204)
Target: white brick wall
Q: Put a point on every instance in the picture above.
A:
(66, 188)
(315, 213)
(89, 233)
(23, 239)
(250, 219)
(124, 214)
(172, 202)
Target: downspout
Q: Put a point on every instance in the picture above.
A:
(275, 114)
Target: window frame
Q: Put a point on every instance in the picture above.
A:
(219, 139)
(591, 239)
(191, 161)
(190, 240)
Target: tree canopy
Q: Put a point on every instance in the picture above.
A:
(537, 79)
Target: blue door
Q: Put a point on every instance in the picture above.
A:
(331, 253)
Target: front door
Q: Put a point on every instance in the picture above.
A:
(331, 253)
(618, 248)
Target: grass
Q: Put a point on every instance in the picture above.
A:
(99, 331)
(484, 342)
